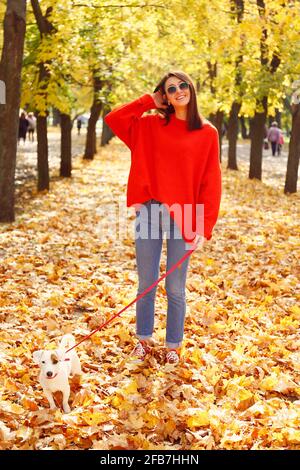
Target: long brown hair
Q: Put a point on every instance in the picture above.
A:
(194, 118)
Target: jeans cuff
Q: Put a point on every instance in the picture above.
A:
(144, 337)
(173, 345)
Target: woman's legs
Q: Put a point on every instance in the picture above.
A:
(148, 252)
(175, 286)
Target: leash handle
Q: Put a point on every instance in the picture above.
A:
(135, 300)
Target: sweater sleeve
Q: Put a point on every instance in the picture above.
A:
(211, 187)
(124, 120)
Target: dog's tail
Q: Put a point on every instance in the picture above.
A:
(67, 342)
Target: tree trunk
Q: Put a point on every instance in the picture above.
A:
(278, 115)
(294, 153)
(42, 140)
(276, 118)
(66, 145)
(232, 135)
(90, 145)
(45, 28)
(257, 139)
(245, 133)
(107, 133)
(42, 151)
(55, 117)
(237, 8)
(10, 76)
(217, 120)
(259, 121)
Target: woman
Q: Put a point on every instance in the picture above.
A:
(175, 168)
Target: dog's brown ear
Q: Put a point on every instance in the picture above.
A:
(54, 358)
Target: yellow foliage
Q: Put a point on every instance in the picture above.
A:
(200, 419)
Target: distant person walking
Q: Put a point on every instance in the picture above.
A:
(32, 126)
(23, 126)
(79, 124)
(274, 137)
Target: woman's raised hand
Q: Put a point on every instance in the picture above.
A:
(159, 100)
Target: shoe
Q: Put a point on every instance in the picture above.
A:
(141, 350)
(172, 357)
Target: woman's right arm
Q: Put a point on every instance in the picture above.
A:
(124, 120)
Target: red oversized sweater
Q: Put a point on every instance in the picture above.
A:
(171, 164)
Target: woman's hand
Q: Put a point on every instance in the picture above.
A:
(198, 241)
(159, 100)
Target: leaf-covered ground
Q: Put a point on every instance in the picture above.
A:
(238, 385)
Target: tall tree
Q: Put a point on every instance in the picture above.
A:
(91, 147)
(10, 74)
(66, 145)
(269, 66)
(45, 28)
(217, 117)
(294, 148)
(259, 120)
(237, 7)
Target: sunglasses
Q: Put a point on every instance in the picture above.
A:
(172, 89)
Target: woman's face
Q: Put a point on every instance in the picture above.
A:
(181, 97)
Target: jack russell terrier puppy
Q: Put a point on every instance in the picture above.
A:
(56, 366)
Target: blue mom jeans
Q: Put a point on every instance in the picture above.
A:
(151, 223)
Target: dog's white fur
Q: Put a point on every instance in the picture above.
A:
(56, 366)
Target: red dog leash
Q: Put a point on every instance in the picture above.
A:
(135, 300)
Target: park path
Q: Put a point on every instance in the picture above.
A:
(26, 166)
(273, 168)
